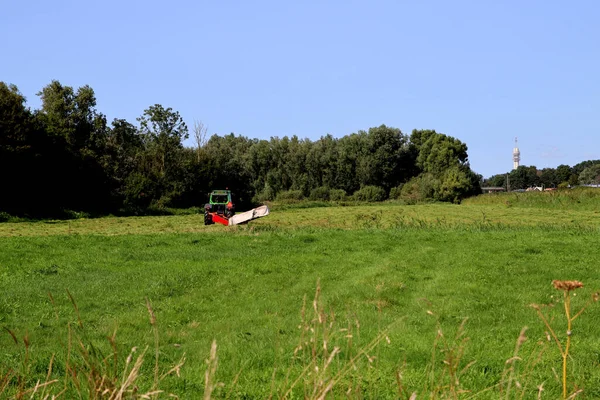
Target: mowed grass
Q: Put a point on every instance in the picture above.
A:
(487, 211)
(379, 267)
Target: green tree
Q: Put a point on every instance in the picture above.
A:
(228, 166)
(548, 177)
(441, 152)
(590, 175)
(444, 161)
(578, 168)
(160, 166)
(387, 158)
(124, 147)
(498, 180)
(524, 177)
(76, 141)
(72, 116)
(163, 131)
(321, 163)
(563, 173)
(16, 152)
(15, 120)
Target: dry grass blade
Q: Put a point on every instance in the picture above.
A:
(76, 309)
(510, 371)
(11, 333)
(38, 386)
(6, 378)
(129, 382)
(176, 369)
(155, 331)
(211, 371)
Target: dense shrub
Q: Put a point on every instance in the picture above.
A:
(319, 193)
(369, 193)
(4, 217)
(267, 194)
(396, 192)
(337, 195)
(290, 195)
(419, 189)
(455, 184)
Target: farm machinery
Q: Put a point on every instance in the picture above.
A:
(220, 209)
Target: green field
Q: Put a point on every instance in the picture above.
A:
(383, 270)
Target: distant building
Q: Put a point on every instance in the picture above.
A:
(516, 155)
(493, 189)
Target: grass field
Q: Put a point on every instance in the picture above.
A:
(383, 271)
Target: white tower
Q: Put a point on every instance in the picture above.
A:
(516, 155)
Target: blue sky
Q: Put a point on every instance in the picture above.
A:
(482, 71)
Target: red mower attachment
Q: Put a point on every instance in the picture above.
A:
(221, 210)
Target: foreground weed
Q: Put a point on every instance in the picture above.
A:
(518, 371)
(318, 354)
(444, 382)
(566, 287)
(88, 373)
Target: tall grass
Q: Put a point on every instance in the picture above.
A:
(85, 370)
(580, 198)
(324, 364)
(244, 286)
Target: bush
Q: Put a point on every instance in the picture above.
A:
(369, 193)
(396, 192)
(4, 217)
(337, 195)
(267, 194)
(70, 214)
(419, 188)
(320, 193)
(290, 196)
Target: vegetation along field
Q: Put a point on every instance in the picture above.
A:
(346, 300)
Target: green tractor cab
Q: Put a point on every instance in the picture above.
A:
(221, 210)
(220, 204)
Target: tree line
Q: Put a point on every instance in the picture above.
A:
(65, 156)
(563, 176)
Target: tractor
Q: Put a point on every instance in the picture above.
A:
(219, 206)
(220, 209)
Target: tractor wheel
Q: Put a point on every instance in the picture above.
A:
(208, 219)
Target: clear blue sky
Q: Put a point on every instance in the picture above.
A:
(483, 71)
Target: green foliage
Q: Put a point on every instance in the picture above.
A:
(396, 192)
(579, 198)
(498, 180)
(17, 135)
(91, 166)
(267, 194)
(524, 177)
(446, 173)
(439, 152)
(455, 184)
(419, 189)
(562, 176)
(4, 216)
(578, 168)
(290, 195)
(590, 175)
(337, 195)
(320, 193)
(369, 193)
(563, 173)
